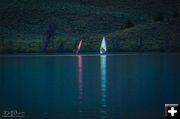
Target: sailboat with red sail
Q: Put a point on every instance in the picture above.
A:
(77, 49)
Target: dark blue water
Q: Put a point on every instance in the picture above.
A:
(124, 86)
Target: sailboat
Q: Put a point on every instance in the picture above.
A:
(103, 46)
(76, 50)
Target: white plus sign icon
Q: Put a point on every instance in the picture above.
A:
(172, 111)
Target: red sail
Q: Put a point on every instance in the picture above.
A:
(78, 47)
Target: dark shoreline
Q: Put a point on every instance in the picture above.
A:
(89, 53)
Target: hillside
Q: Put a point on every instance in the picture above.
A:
(158, 36)
(144, 37)
(55, 26)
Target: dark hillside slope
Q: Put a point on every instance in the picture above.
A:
(25, 25)
(147, 37)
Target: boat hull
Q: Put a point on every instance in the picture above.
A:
(102, 51)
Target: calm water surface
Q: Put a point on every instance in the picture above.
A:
(121, 86)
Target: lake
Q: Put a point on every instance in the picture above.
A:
(112, 86)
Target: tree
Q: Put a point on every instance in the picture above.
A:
(2, 39)
(49, 36)
(140, 43)
(175, 14)
(116, 44)
(167, 44)
(159, 17)
(61, 47)
(129, 24)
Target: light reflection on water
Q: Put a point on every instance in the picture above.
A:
(80, 81)
(85, 87)
(103, 86)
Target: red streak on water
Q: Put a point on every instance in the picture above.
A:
(80, 78)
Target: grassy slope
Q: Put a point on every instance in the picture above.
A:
(23, 25)
(158, 36)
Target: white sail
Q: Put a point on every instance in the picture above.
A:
(103, 46)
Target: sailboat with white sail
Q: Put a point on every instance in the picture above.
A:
(103, 46)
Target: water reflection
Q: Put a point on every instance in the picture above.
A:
(103, 86)
(80, 81)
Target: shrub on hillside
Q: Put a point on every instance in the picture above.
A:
(175, 14)
(129, 24)
(159, 17)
